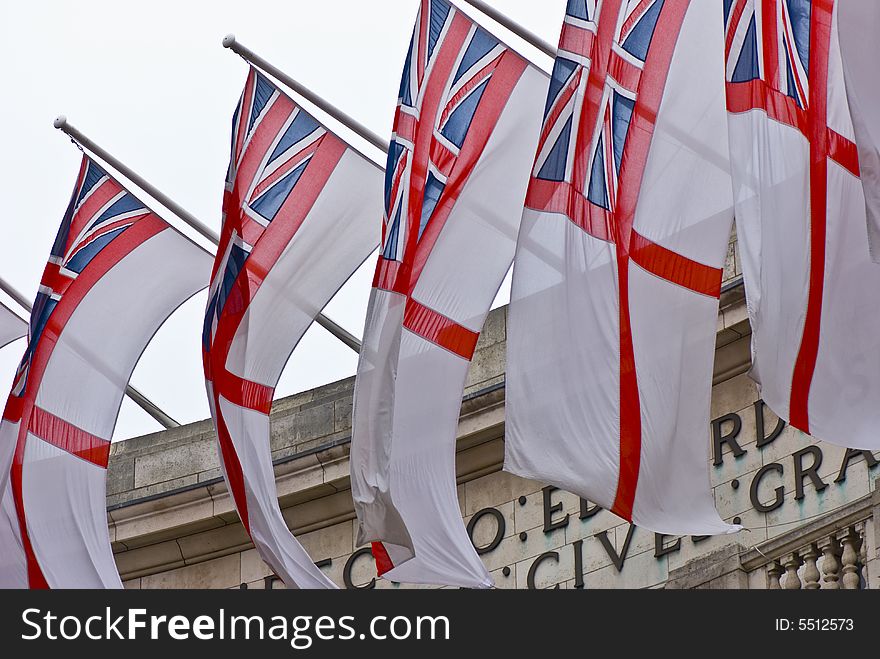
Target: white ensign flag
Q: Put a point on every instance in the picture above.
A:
(299, 218)
(611, 329)
(466, 126)
(115, 273)
(800, 211)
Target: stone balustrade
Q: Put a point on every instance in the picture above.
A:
(828, 553)
(835, 561)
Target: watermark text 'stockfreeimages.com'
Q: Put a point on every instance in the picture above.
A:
(300, 631)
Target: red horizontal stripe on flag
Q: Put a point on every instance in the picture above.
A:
(674, 267)
(757, 95)
(69, 438)
(844, 152)
(244, 393)
(561, 197)
(439, 329)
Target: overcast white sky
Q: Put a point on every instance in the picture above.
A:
(150, 83)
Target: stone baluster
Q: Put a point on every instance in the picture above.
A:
(774, 572)
(811, 571)
(830, 566)
(849, 557)
(862, 530)
(792, 580)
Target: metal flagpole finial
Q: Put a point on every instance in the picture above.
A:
(60, 123)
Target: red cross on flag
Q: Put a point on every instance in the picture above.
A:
(611, 329)
(800, 211)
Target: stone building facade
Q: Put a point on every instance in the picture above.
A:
(808, 507)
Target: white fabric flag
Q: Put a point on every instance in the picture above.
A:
(465, 130)
(11, 326)
(858, 26)
(614, 301)
(800, 210)
(116, 272)
(299, 218)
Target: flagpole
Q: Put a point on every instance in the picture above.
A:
(143, 402)
(523, 33)
(346, 120)
(15, 294)
(77, 136)
(150, 407)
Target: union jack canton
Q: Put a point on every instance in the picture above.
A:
(99, 212)
(456, 79)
